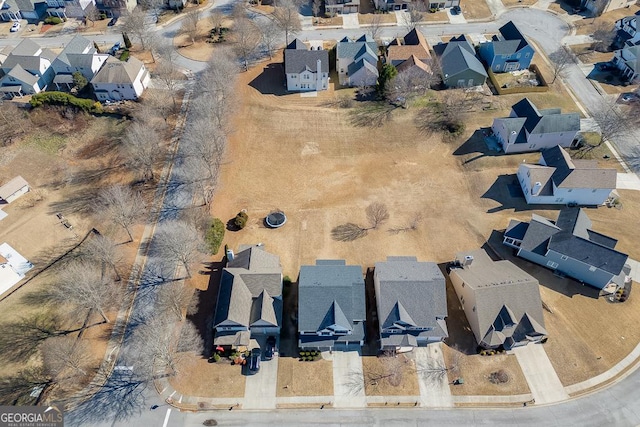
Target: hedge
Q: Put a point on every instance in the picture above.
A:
(61, 98)
(214, 235)
(52, 20)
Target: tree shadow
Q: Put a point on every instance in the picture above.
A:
(478, 146)
(506, 190)
(371, 114)
(77, 202)
(271, 81)
(348, 232)
(207, 302)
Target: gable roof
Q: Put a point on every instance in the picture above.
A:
(458, 56)
(568, 173)
(530, 120)
(414, 44)
(510, 40)
(118, 72)
(9, 188)
(299, 59)
(354, 67)
(296, 44)
(78, 52)
(27, 47)
(22, 75)
(347, 48)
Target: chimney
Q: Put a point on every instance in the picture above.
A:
(468, 259)
(512, 137)
(319, 76)
(536, 188)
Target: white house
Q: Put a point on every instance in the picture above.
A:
(305, 70)
(13, 189)
(13, 267)
(558, 179)
(357, 61)
(119, 80)
(79, 55)
(530, 129)
(599, 7)
(627, 60)
(26, 69)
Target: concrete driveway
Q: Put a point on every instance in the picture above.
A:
(543, 381)
(350, 20)
(260, 389)
(434, 388)
(458, 18)
(628, 181)
(348, 380)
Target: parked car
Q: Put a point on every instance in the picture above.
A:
(114, 49)
(271, 348)
(112, 22)
(455, 10)
(253, 366)
(15, 27)
(629, 97)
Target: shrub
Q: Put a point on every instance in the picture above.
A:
(240, 220)
(61, 98)
(127, 41)
(102, 17)
(214, 235)
(79, 80)
(483, 352)
(286, 280)
(216, 357)
(124, 56)
(52, 20)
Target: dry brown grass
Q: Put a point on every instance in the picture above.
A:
(404, 382)
(590, 56)
(385, 18)
(475, 371)
(585, 26)
(203, 379)
(296, 378)
(200, 50)
(475, 9)
(325, 22)
(518, 3)
(439, 16)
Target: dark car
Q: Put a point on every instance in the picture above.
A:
(112, 22)
(271, 348)
(455, 10)
(253, 365)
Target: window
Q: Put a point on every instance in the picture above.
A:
(552, 264)
(526, 55)
(474, 309)
(592, 268)
(564, 257)
(462, 300)
(518, 55)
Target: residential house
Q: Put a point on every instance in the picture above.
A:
(13, 189)
(626, 32)
(13, 267)
(570, 247)
(77, 9)
(501, 302)
(331, 306)
(119, 80)
(27, 69)
(409, 53)
(530, 129)
(249, 299)
(411, 301)
(627, 60)
(598, 7)
(14, 10)
(406, 4)
(116, 8)
(305, 70)
(78, 55)
(459, 63)
(357, 61)
(341, 6)
(507, 51)
(559, 179)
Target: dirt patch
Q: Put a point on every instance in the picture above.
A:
(439, 16)
(384, 18)
(390, 376)
(296, 378)
(476, 9)
(200, 378)
(324, 22)
(200, 49)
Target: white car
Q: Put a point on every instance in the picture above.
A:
(15, 27)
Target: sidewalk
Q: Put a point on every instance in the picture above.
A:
(543, 381)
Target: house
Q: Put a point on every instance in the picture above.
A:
(558, 179)
(507, 51)
(331, 306)
(333, 7)
(626, 32)
(305, 70)
(530, 129)
(627, 60)
(406, 4)
(501, 302)
(598, 7)
(357, 61)
(13, 267)
(116, 8)
(249, 299)
(409, 53)
(459, 63)
(13, 189)
(118, 80)
(26, 69)
(64, 9)
(78, 55)
(411, 301)
(15, 10)
(570, 247)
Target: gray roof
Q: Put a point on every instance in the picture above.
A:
(77, 53)
(411, 293)
(31, 63)
(330, 291)
(458, 56)
(568, 173)
(543, 121)
(297, 60)
(14, 185)
(541, 174)
(347, 48)
(26, 47)
(22, 75)
(354, 67)
(510, 40)
(504, 296)
(119, 72)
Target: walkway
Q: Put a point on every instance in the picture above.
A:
(628, 181)
(458, 18)
(496, 7)
(348, 380)
(434, 389)
(350, 21)
(260, 389)
(543, 381)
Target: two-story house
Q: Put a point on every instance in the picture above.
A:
(507, 51)
(459, 64)
(411, 301)
(14, 10)
(116, 8)
(570, 247)
(27, 69)
(64, 9)
(357, 61)
(331, 306)
(501, 302)
(530, 129)
(249, 299)
(341, 6)
(559, 179)
(79, 55)
(410, 52)
(119, 80)
(305, 70)
(626, 31)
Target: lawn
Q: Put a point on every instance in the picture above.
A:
(390, 376)
(296, 378)
(586, 26)
(518, 3)
(200, 378)
(590, 56)
(384, 18)
(325, 22)
(475, 9)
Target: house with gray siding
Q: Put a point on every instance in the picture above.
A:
(459, 63)
(26, 70)
(529, 129)
(559, 179)
(357, 61)
(331, 306)
(501, 302)
(411, 301)
(571, 248)
(249, 302)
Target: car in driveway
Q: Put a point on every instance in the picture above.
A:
(455, 10)
(270, 349)
(15, 27)
(253, 365)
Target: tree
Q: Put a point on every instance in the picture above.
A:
(376, 25)
(190, 25)
(142, 149)
(246, 38)
(561, 60)
(216, 19)
(285, 15)
(177, 241)
(104, 250)
(413, 16)
(13, 123)
(121, 206)
(174, 298)
(202, 177)
(21, 338)
(316, 7)
(603, 36)
(387, 74)
(154, 6)
(215, 235)
(96, 47)
(92, 14)
(269, 36)
(16, 389)
(134, 24)
(205, 141)
(612, 121)
(409, 84)
(377, 214)
(435, 370)
(167, 72)
(67, 360)
(79, 81)
(449, 114)
(126, 40)
(413, 224)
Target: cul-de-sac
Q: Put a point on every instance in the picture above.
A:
(319, 212)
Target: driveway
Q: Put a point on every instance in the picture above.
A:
(543, 381)
(628, 181)
(434, 389)
(260, 389)
(350, 20)
(458, 18)
(348, 380)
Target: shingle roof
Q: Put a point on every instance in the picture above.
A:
(352, 49)
(541, 174)
(457, 56)
(535, 121)
(22, 75)
(511, 41)
(568, 173)
(26, 47)
(297, 60)
(354, 67)
(414, 45)
(9, 188)
(115, 71)
(297, 44)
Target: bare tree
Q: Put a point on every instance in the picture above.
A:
(121, 206)
(413, 224)
(162, 103)
(135, 25)
(612, 121)
(92, 14)
(316, 7)
(246, 38)
(202, 177)
(16, 387)
(390, 370)
(269, 36)
(177, 241)
(377, 214)
(67, 360)
(376, 26)
(561, 60)
(217, 19)
(142, 149)
(21, 338)
(154, 6)
(285, 15)
(174, 298)
(168, 73)
(205, 141)
(13, 123)
(603, 36)
(435, 370)
(413, 15)
(448, 116)
(82, 285)
(104, 250)
(410, 84)
(348, 232)
(190, 25)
